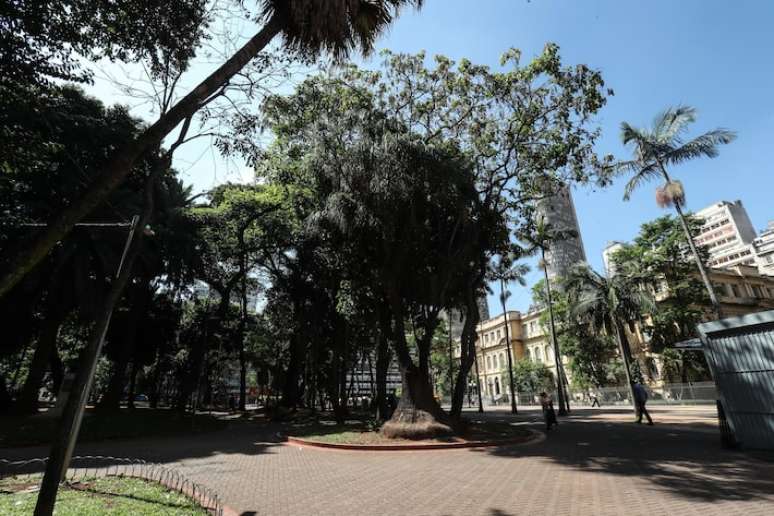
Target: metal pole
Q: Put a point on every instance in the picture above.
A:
(62, 449)
(514, 409)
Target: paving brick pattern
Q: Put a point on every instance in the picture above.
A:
(596, 463)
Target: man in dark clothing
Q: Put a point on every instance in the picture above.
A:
(640, 399)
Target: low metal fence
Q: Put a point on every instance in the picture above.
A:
(85, 467)
(695, 393)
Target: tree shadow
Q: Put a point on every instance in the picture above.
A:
(683, 462)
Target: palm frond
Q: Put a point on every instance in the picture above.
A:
(336, 26)
(705, 145)
(633, 135)
(672, 122)
(645, 174)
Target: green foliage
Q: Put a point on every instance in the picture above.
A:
(529, 376)
(44, 40)
(658, 260)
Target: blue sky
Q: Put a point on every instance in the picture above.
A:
(715, 55)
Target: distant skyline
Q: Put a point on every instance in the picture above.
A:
(711, 54)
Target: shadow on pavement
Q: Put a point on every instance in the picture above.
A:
(682, 461)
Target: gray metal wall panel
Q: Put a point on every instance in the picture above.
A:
(741, 354)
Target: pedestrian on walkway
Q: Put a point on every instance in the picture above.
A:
(640, 399)
(595, 401)
(548, 410)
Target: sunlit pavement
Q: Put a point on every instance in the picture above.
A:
(597, 462)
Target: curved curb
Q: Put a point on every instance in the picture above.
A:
(535, 438)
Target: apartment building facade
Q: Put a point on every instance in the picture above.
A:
(727, 234)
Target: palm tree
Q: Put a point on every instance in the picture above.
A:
(608, 303)
(307, 27)
(506, 272)
(663, 145)
(539, 238)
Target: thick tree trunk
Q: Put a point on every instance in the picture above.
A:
(27, 403)
(19, 262)
(418, 414)
(467, 354)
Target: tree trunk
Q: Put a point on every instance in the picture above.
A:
(623, 346)
(467, 355)
(418, 414)
(27, 402)
(26, 256)
(697, 258)
(382, 365)
(57, 371)
(563, 405)
(514, 410)
(290, 387)
(111, 400)
(5, 396)
(132, 384)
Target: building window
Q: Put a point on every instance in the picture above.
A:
(488, 363)
(502, 361)
(538, 354)
(497, 386)
(735, 290)
(498, 334)
(549, 353)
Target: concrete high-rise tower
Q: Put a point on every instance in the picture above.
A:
(558, 211)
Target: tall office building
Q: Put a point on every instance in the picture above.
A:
(727, 234)
(559, 212)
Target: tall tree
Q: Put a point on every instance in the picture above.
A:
(608, 304)
(662, 145)
(538, 238)
(307, 26)
(657, 259)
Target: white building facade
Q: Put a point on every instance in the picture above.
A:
(727, 234)
(764, 250)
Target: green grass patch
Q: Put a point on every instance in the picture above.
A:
(140, 422)
(112, 495)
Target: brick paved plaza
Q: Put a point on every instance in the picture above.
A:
(598, 462)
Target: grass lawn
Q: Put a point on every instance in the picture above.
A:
(140, 422)
(112, 495)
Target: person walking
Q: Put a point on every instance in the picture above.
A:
(595, 401)
(640, 399)
(548, 410)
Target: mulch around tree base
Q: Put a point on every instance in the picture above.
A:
(529, 437)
